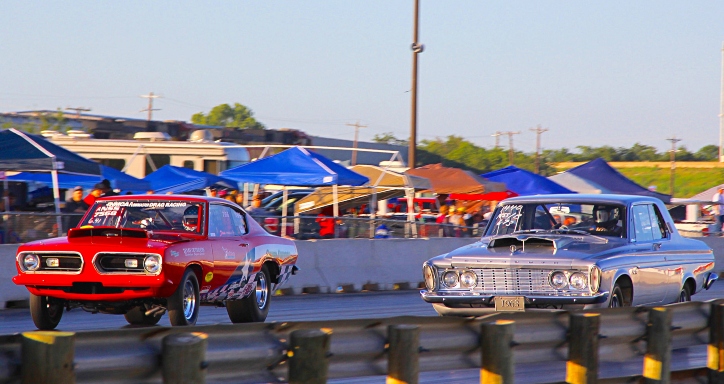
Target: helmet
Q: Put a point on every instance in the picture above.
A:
(191, 218)
(605, 214)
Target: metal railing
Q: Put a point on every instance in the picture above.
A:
(22, 227)
(621, 343)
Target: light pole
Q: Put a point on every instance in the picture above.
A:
(672, 156)
(416, 48)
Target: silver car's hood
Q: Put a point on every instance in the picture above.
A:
(533, 250)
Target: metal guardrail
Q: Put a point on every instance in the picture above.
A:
(22, 227)
(549, 343)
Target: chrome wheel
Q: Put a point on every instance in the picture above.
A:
(261, 290)
(189, 300)
(616, 297)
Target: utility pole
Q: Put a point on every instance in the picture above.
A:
(497, 138)
(721, 110)
(356, 126)
(537, 131)
(510, 144)
(78, 111)
(672, 156)
(150, 109)
(416, 49)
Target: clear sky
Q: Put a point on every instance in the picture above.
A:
(592, 72)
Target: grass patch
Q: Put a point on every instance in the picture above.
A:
(687, 181)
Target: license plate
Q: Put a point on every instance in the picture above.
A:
(509, 304)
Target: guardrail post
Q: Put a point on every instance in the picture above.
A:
(183, 358)
(715, 350)
(403, 359)
(657, 362)
(582, 366)
(48, 357)
(308, 356)
(496, 344)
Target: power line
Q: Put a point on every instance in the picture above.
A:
(538, 130)
(150, 108)
(356, 126)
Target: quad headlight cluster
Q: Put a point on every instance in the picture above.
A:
(576, 280)
(459, 279)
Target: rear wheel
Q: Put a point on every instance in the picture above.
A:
(137, 316)
(255, 307)
(183, 305)
(684, 295)
(616, 297)
(46, 312)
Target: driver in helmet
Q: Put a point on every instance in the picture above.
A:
(607, 219)
(191, 218)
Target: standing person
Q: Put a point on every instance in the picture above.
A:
(95, 193)
(442, 220)
(106, 189)
(255, 207)
(326, 224)
(74, 205)
(718, 200)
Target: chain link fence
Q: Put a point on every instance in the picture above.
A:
(22, 227)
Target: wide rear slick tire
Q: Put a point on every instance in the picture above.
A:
(46, 312)
(255, 307)
(183, 305)
(137, 316)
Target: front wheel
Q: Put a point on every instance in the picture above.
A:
(616, 297)
(183, 305)
(46, 312)
(137, 316)
(255, 307)
(684, 295)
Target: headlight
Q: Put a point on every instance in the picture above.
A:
(152, 263)
(468, 279)
(578, 280)
(450, 279)
(31, 262)
(558, 280)
(594, 279)
(428, 273)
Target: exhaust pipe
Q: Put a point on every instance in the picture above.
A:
(156, 311)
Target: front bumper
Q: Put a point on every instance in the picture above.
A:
(94, 287)
(453, 299)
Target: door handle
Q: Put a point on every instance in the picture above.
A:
(243, 244)
(634, 270)
(657, 246)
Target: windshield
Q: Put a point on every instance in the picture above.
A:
(596, 219)
(161, 215)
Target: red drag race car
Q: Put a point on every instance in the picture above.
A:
(143, 256)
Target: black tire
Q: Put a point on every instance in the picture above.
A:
(617, 299)
(45, 311)
(183, 305)
(137, 316)
(684, 295)
(255, 307)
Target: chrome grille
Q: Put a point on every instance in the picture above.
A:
(500, 281)
(116, 262)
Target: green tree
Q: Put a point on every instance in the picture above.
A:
(389, 138)
(224, 115)
(707, 153)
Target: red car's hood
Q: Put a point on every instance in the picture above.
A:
(115, 236)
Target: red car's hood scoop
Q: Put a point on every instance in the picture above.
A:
(125, 233)
(109, 232)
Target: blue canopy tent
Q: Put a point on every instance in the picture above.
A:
(298, 167)
(24, 152)
(525, 183)
(599, 172)
(174, 179)
(118, 179)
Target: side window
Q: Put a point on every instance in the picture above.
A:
(214, 220)
(658, 226)
(239, 221)
(642, 223)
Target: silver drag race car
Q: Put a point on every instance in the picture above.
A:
(570, 252)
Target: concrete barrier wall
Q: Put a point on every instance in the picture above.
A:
(339, 264)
